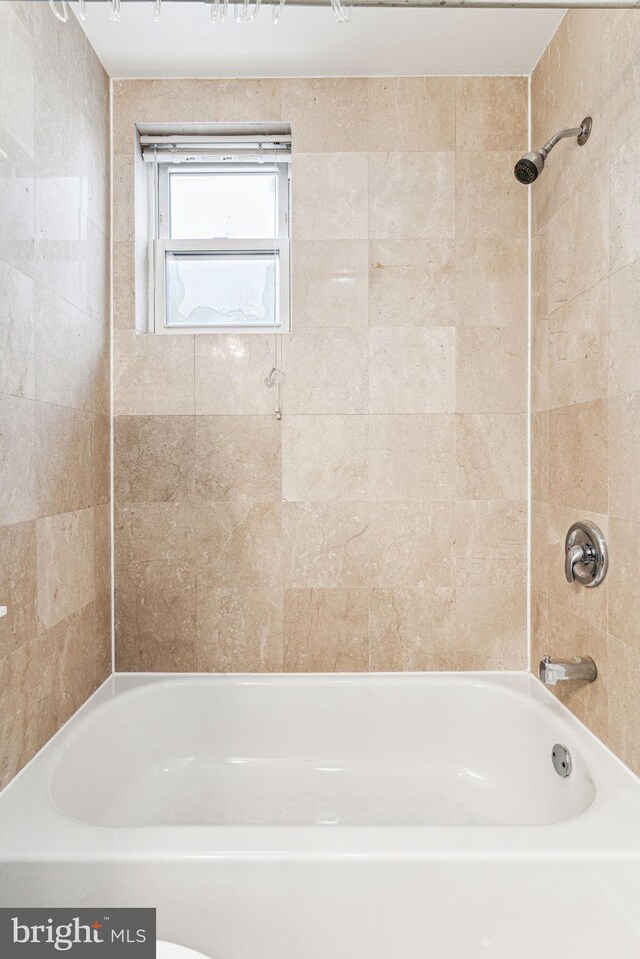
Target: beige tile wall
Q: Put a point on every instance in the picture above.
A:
(354, 534)
(54, 377)
(586, 361)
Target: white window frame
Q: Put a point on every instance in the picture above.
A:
(159, 187)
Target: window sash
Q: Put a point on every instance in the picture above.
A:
(278, 247)
(164, 200)
(159, 213)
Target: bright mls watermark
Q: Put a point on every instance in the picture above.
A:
(80, 933)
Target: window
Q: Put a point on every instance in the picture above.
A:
(220, 229)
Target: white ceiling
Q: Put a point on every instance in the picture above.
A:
(308, 42)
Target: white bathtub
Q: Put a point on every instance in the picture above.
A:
(330, 816)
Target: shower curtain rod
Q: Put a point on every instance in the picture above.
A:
(438, 4)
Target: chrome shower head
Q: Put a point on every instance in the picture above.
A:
(530, 166)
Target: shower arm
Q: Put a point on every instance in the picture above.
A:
(577, 132)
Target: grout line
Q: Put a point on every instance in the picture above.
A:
(111, 391)
(529, 385)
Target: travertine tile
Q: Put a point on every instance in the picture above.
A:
(54, 348)
(102, 550)
(579, 243)
(329, 196)
(62, 251)
(329, 283)
(412, 629)
(17, 91)
(17, 333)
(624, 455)
(491, 538)
(578, 455)
(124, 266)
(490, 203)
(491, 371)
(325, 371)
(254, 100)
(623, 678)
(579, 72)
(67, 353)
(101, 456)
(17, 459)
(149, 101)
(578, 348)
(156, 629)
(71, 653)
(625, 40)
(324, 458)
(539, 629)
(346, 544)
(65, 549)
(539, 546)
(411, 195)
(624, 199)
(539, 277)
(411, 457)
(622, 581)
(102, 370)
(155, 545)
(491, 456)
(624, 107)
(17, 198)
(230, 371)
(239, 630)
(238, 544)
(412, 370)
(374, 244)
(64, 459)
(491, 627)
(491, 113)
(327, 114)
(571, 636)
(238, 458)
(492, 282)
(624, 336)
(18, 586)
(154, 458)
(326, 630)
(103, 637)
(412, 113)
(153, 374)
(412, 283)
(539, 455)
(539, 351)
(18, 717)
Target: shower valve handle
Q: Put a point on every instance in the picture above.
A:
(586, 557)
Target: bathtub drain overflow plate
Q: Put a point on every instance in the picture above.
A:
(561, 758)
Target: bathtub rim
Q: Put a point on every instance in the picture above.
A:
(608, 829)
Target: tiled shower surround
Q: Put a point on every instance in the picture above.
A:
(55, 642)
(382, 523)
(586, 362)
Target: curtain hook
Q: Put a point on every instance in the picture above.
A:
(277, 11)
(157, 10)
(61, 13)
(114, 11)
(82, 9)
